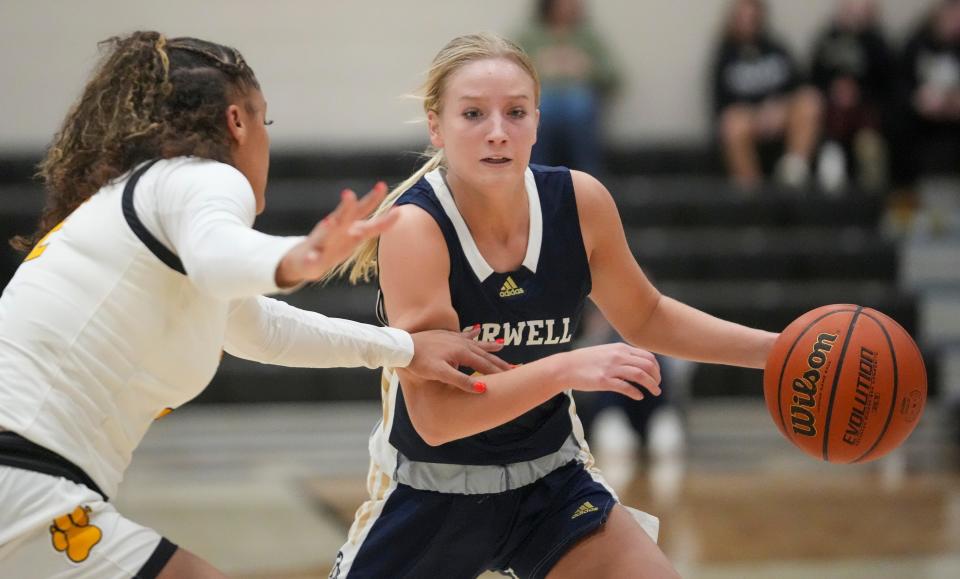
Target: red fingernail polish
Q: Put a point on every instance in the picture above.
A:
(345, 193)
(479, 387)
(476, 326)
(499, 340)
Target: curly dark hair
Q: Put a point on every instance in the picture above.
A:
(150, 97)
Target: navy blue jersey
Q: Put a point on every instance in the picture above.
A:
(540, 491)
(535, 309)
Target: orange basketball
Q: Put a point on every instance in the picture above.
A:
(845, 383)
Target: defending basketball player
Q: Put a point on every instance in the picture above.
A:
(464, 484)
(144, 269)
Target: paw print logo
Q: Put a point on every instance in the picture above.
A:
(74, 534)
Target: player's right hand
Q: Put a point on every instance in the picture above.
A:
(612, 367)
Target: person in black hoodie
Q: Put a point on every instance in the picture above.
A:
(852, 68)
(926, 126)
(759, 98)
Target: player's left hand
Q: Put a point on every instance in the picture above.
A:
(437, 355)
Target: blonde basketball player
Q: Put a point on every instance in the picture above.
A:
(504, 482)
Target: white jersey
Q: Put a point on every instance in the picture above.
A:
(98, 335)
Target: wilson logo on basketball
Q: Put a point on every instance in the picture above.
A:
(863, 398)
(805, 387)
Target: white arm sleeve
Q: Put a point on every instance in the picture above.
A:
(204, 210)
(273, 332)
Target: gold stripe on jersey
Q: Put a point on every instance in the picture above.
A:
(589, 462)
(384, 485)
(385, 397)
(41, 245)
(363, 512)
(372, 478)
(377, 484)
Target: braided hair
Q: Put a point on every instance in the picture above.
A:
(150, 97)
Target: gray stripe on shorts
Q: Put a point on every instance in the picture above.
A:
(471, 479)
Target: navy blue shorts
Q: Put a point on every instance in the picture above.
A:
(527, 530)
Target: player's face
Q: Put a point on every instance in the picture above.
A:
(247, 123)
(487, 124)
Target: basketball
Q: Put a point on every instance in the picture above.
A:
(845, 383)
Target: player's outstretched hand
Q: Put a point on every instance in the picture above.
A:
(438, 353)
(613, 367)
(335, 237)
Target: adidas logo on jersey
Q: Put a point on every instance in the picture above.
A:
(585, 508)
(510, 288)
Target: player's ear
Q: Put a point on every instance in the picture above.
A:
(235, 124)
(433, 125)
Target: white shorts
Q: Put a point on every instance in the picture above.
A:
(52, 527)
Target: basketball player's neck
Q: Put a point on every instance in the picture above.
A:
(493, 211)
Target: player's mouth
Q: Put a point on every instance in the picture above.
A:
(496, 160)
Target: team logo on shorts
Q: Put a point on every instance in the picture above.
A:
(585, 508)
(74, 534)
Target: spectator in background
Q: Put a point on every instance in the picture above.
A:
(852, 69)
(759, 99)
(926, 126)
(577, 74)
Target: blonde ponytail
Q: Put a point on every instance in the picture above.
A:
(362, 265)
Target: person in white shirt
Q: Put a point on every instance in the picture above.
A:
(143, 270)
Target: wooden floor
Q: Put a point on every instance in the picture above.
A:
(769, 517)
(735, 502)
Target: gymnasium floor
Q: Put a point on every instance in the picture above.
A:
(268, 492)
